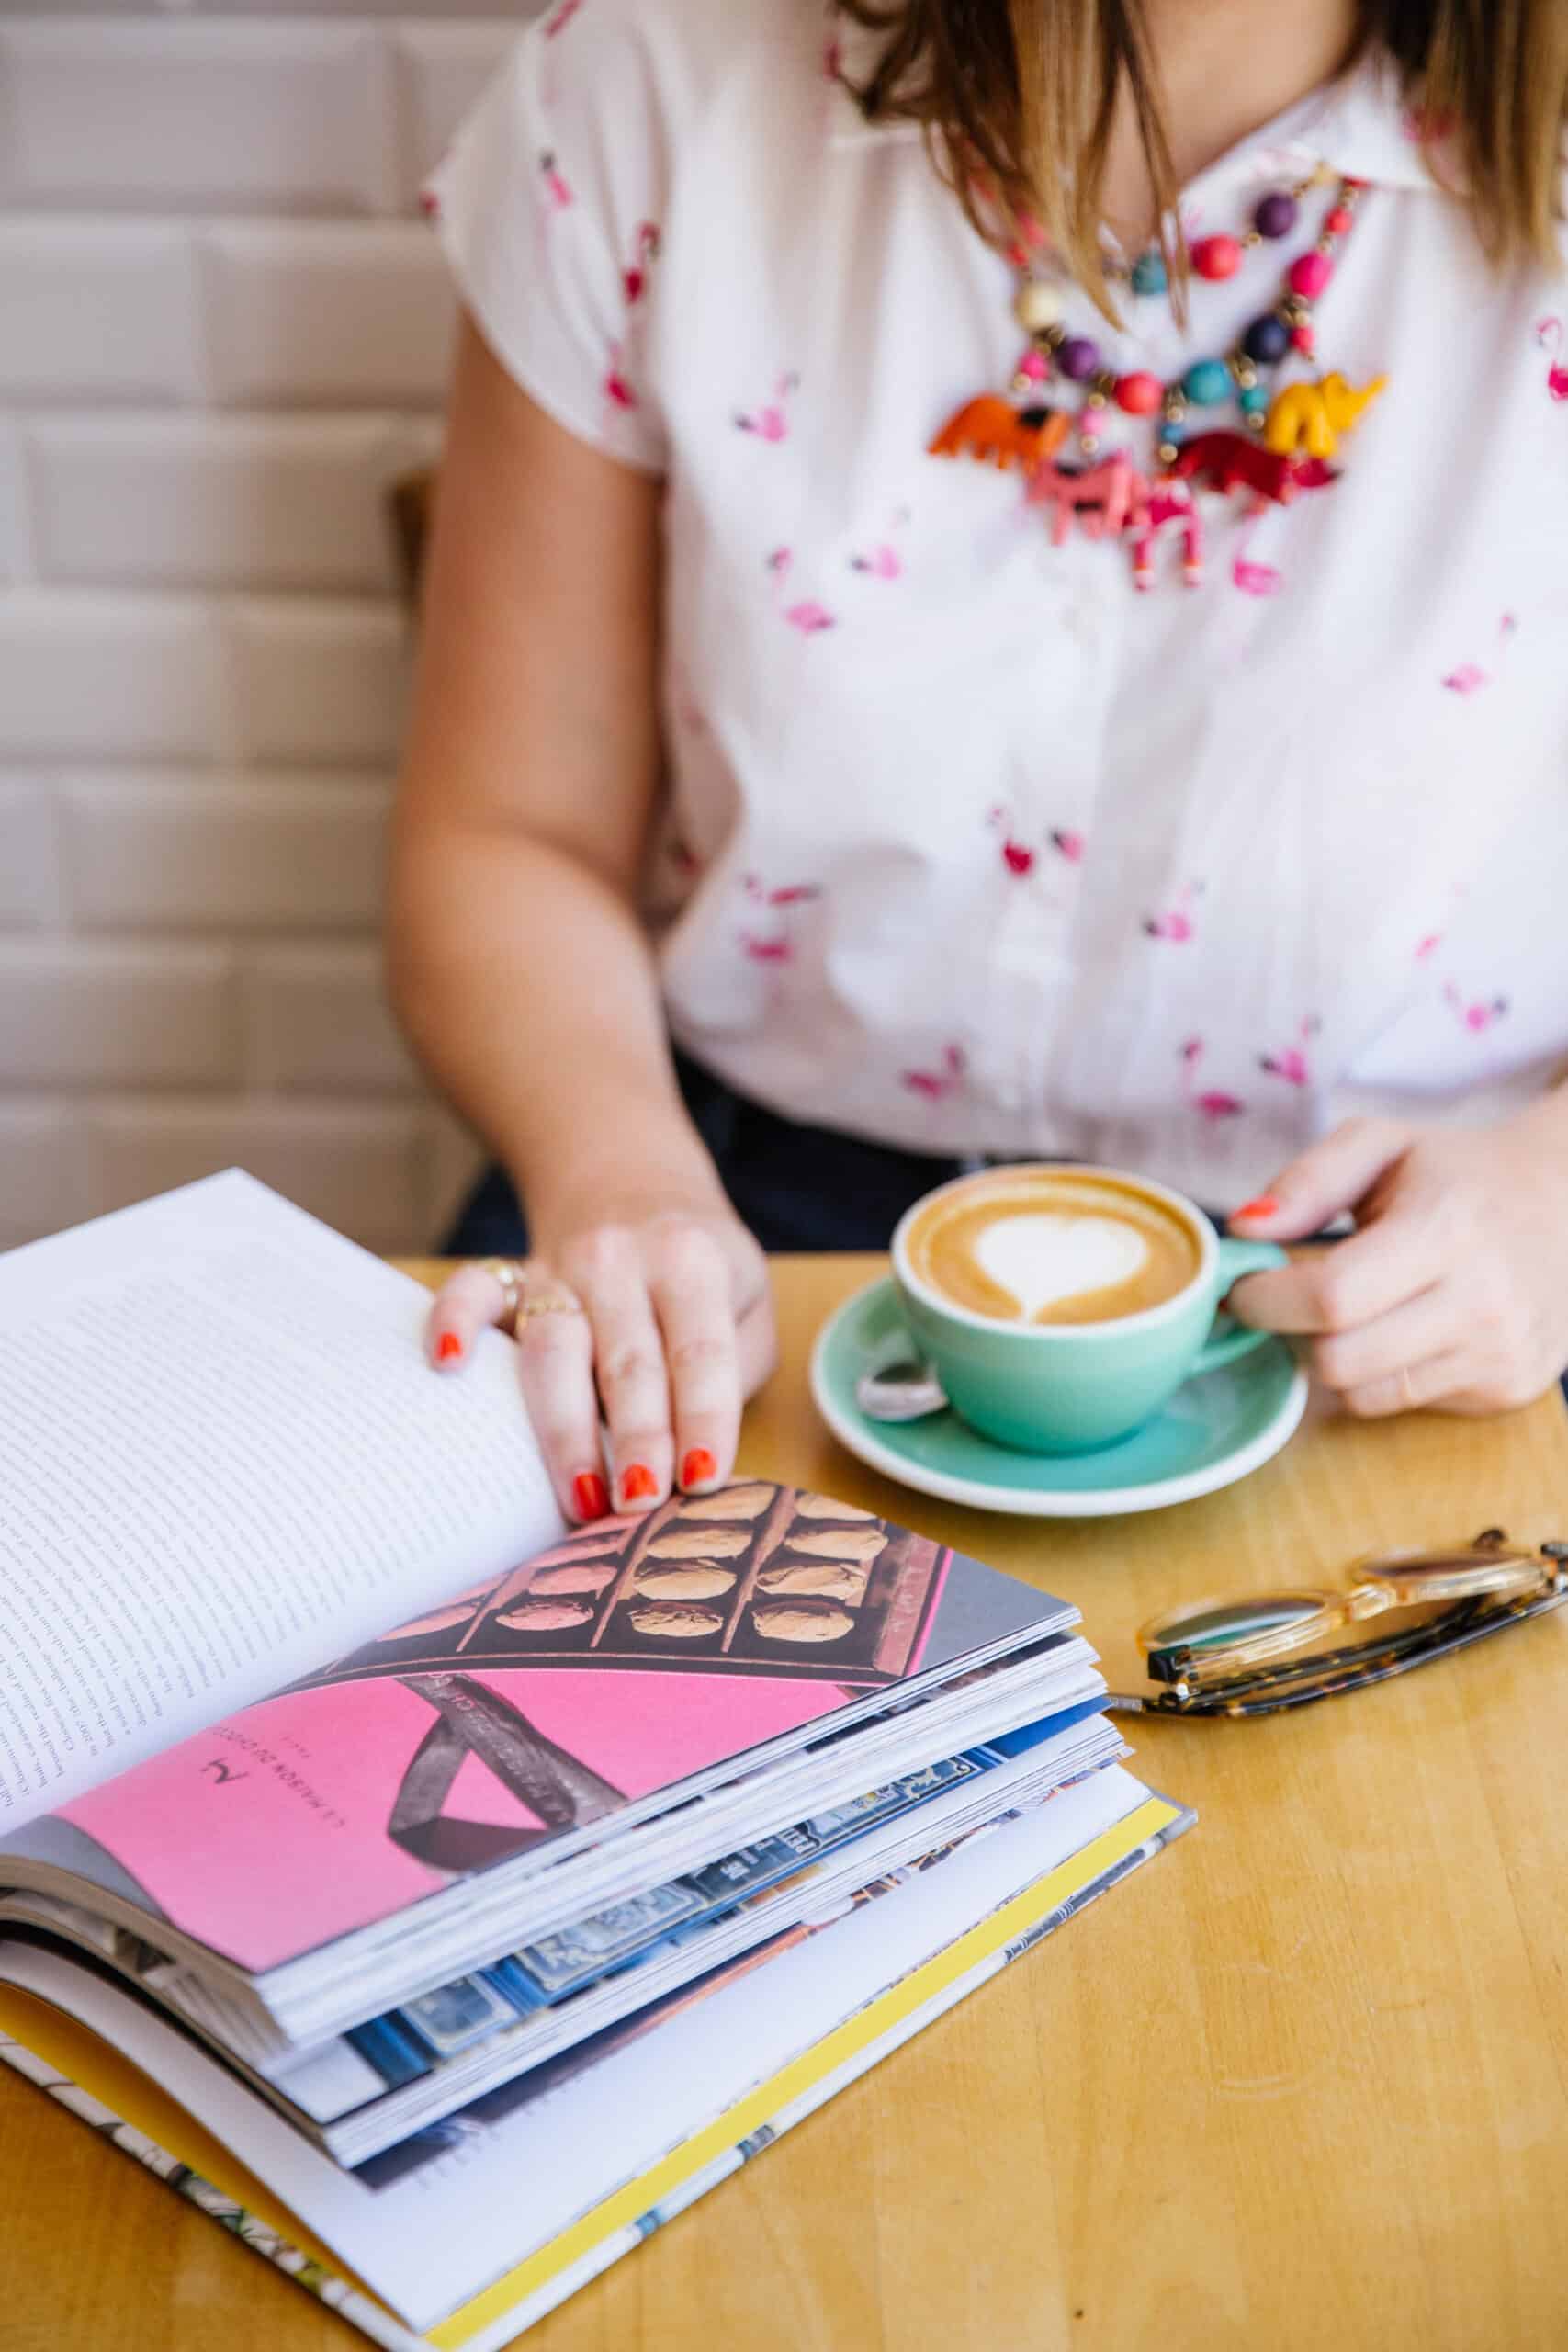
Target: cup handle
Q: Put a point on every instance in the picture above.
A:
(1229, 1342)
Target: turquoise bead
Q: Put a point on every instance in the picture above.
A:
(1207, 382)
(1148, 274)
(1254, 401)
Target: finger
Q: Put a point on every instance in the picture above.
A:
(555, 1362)
(1437, 1381)
(1487, 1401)
(691, 1292)
(1328, 1178)
(1429, 1324)
(466, 1304)
(628, 1361)
(758, 1344)
(1347, 1284)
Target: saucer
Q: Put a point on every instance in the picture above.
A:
(1218, 1426)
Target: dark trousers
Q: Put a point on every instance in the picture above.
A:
(795, 1187)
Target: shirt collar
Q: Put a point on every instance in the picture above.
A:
(1361, 126)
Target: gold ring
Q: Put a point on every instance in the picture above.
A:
(508, 1274)
(557, 1303)
(511, 1275)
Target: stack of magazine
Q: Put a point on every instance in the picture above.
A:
(485, 1890)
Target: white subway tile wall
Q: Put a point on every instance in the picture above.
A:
(42, 1151)
(224, 331)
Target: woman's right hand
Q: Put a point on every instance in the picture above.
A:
(663, 1321)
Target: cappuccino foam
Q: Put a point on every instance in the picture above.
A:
(1052, 1246)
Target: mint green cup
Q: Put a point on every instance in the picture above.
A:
(1070, 1387)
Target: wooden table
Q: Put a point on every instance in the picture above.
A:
(1302, 2084)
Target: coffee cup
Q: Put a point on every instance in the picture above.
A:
(1062, 1307)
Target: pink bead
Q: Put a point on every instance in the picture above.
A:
(1304, 340)
(1035, 365)
(1340, 222)
(1139, 394)
(1216, 257)
(1309, 273)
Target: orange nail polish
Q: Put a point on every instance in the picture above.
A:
(593, 1495)
(1264, 1206)
(448, 1348)
(638, 1482)
(698, 1467)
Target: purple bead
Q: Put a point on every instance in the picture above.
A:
(1275, 216)
(1266, 339)
(1079, 358)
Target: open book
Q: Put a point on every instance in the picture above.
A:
(409, 1839)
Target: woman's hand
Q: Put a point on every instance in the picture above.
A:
(664, 1321)
(1453, 1291)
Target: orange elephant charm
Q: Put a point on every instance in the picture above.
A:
(991, 429)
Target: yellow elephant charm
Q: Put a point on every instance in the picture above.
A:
(1312, 416)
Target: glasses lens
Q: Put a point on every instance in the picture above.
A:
(1217, 1624)
(1419, 1578)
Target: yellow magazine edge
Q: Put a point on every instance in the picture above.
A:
(94, 2067)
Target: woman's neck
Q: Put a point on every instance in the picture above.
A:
(1225, 67)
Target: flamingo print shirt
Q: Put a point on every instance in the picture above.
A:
(969, 843)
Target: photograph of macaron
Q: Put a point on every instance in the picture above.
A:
(577, 1576)
(545, 1616)
(701, 1544)
(842, 1543)
(675, 1620)
(756, 1580)
(824, 1507)
(801, 1620)
(731, 1502)
(818, 1580)
(683, 1579)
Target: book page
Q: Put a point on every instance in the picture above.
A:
(225, 1461)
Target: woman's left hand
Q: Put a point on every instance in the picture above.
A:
(1453, 1293)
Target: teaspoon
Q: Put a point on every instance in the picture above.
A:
(907, 1390)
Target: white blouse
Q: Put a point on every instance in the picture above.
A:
(969, 845)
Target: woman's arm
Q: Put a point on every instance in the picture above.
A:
(517, 961)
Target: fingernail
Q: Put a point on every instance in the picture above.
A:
(698, 1468)
(591, 1495)
(1264, 1206)
(638, 1482)
(448, 1348)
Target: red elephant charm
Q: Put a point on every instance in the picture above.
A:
(1229, 461)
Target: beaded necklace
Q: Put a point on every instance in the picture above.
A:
(1285, 437)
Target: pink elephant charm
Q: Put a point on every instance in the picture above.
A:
(1169, 507)
(1104, 501)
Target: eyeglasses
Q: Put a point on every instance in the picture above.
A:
(1242, 1657)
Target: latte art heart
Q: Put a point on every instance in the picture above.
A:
(1040, 1258)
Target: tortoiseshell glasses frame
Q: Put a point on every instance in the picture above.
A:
(1241, 1657)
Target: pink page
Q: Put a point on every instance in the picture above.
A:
(626, 1659)
(269, 1834)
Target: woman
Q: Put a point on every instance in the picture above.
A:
(1166, 772)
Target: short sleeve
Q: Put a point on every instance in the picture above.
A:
(548, 204)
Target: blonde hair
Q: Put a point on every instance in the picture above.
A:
(1019, 88)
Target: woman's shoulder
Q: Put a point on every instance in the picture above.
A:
(681, 54)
